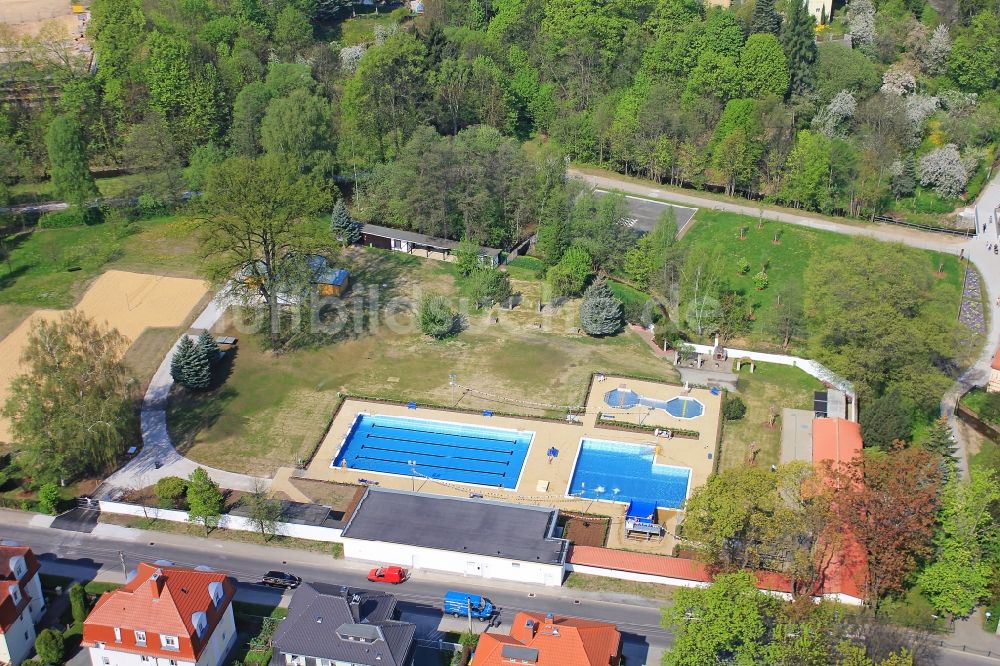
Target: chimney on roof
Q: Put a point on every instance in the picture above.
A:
(156, 583)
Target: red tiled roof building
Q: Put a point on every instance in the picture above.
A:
(164, 616)
(21, 602)
(547, 640)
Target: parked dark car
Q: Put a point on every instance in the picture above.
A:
(280, 579)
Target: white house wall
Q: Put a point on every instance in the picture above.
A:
(121, 658)
(221, 641)
(469, 565)
(37, 605)
(17, 643)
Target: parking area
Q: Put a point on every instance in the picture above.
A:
(645, 213)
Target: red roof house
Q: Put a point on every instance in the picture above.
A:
(21, 602)
(164, 615)
(547, 640)
(838, 441)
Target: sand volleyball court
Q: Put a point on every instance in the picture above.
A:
(129, 302)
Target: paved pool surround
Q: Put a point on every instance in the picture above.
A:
(546, 480)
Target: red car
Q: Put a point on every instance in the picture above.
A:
(394, 575)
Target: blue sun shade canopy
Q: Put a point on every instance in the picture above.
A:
(643, 512)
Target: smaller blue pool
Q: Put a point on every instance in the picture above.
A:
(435, 449)
(681, 407)
(625, 472)
(684, 408)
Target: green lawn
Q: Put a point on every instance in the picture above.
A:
(771, 386)
(360, 29)
(25, 193)
(273, 409)
(787, 261)
(51, 267)
(912, 610)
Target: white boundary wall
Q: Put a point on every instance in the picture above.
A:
(808, 366)
(467, 565)
(228, 522)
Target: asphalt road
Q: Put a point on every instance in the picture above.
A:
(646, 212)
(84, 555)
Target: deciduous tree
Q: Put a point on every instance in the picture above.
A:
(259, 220)
(204, 499)
(888, 503)
(264, 511)
(68, 161)
(72, 408)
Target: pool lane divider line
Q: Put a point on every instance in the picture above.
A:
(510, 441)
(372, 435)
(437, 455)
(454, 469)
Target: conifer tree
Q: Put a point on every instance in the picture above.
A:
(601, 312)
(343, 227)
(199, 369)
(180, 362)
(207, 343)
(798, 38)
(940, 440)
(765, 18)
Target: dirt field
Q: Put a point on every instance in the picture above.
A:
(26, 17)
(129, 302)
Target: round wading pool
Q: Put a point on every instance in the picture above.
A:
(684, 408)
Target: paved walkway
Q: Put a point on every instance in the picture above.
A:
(158, 457)
(974, 249)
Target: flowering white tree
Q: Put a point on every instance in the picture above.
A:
(935, 56)
(898, 80)
(350, 56)
(944, 170)
(957, 102)
(830, 118)
(861, 21)
(383, 33)
(918, 109)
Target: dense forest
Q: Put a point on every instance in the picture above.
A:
(743, 99)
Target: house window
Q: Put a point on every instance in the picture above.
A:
(295, 660)
(140, 637)
(105, 660)
(144, 658)
(173, 662)
(118, 635)
(397, 244)
(15, 594)
(168, 642)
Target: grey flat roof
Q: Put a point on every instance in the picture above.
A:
(796, 435)
(420, 239)
(499, 529)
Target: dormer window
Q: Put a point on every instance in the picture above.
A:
(18, 566)
(118, 634)
(216, 592)
(200, 622)
(140, 637)
(168, 642)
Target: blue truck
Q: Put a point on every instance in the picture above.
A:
(462, 604)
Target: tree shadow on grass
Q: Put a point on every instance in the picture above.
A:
(191, 412)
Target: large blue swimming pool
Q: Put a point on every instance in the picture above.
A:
(441, 450)
(604, 467)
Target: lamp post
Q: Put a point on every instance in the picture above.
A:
(413, 474)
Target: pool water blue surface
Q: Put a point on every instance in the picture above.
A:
(684, 408)
(681, 407)
(442, 450)
(604, 466)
